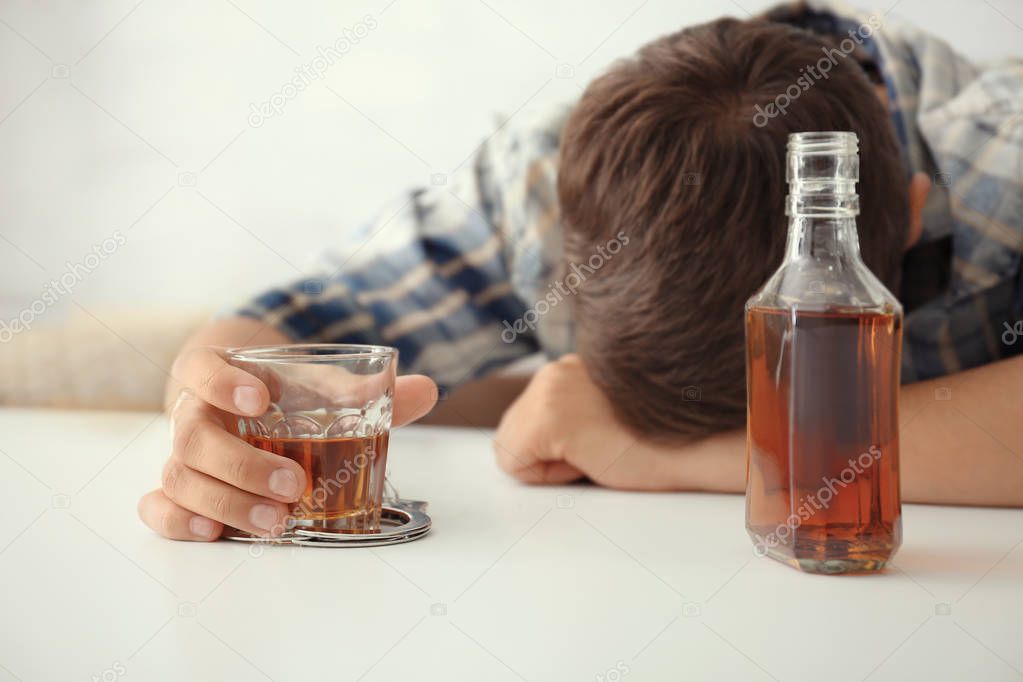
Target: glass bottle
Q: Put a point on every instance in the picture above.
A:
(823, 344)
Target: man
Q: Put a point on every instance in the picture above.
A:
(621, 239)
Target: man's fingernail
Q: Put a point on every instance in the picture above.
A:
(246, 399)
(201, 527)
(183, 395)
(263, 516)
(284, 483)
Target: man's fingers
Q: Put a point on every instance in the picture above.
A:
(201, 443)
(549, 473)
(414, 396)
(219, 501)
(539, 472)
(205, 373)
(527, 465)
(174, 522)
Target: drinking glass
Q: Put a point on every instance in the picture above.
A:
(330, 411)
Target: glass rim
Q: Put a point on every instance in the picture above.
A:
(838, 142)
(311, 352)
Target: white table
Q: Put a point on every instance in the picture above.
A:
(514, 582)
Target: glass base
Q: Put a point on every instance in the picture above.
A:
(363, 521)
(829, 549)
(831, 566)
(834, 556)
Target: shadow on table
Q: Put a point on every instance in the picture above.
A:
(940, 562)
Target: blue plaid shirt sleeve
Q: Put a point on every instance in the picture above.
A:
(972, 123)
(443, 274)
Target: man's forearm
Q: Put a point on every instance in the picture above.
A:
(962, 435)
(961, 439)
(228, 332)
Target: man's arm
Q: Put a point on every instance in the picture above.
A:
(960, 440)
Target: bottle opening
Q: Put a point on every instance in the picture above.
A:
(828, 142)
(822, 169)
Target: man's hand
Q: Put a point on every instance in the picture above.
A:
(212, 477)
(563, 428)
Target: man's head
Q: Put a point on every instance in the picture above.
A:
(667, 149)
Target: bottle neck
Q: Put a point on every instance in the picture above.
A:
(823, 270)
(823, 239)
(822, 169)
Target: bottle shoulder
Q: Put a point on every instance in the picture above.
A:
(809, 284)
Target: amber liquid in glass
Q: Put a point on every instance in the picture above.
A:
(822, 487)
(344, 479)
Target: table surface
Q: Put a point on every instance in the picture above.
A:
(513, 583)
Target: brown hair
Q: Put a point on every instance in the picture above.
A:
(664, 148)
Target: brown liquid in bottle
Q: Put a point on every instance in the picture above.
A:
(344, 478)
(822, 489)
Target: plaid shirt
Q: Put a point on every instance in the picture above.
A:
(461, 278)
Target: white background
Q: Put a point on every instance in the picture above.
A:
(161, 88)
